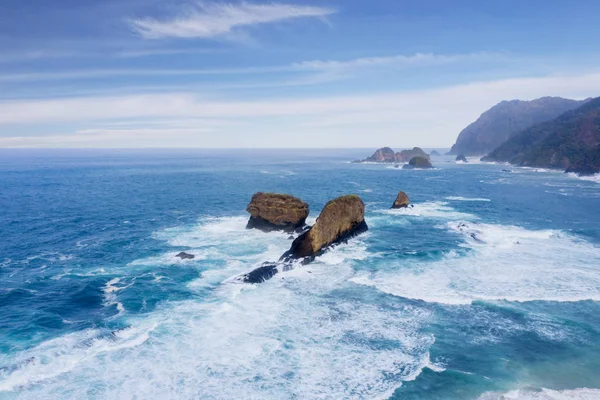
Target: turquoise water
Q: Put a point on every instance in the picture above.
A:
(488, 287)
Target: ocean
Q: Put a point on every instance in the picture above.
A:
(487, 288)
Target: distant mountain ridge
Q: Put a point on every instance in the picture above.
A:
(506, 119)
(570, 141)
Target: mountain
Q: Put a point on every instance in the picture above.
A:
(387, 155)
(570, 142)
(505, 119)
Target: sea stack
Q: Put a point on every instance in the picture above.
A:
(340, 219)
(418, 162)
(461, 158)
(274, 211)
(401, 200)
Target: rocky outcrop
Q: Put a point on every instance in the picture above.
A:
(340, 219)
(387, 155)
(185, 256)
(274, 211)
(461, 158)
(418, 162)
(406, 155)
(435, 154)
(401, 201)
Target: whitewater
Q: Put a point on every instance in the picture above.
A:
(488, 287)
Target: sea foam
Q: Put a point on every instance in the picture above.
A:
(502, 263)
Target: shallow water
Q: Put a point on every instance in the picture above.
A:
(488, 287)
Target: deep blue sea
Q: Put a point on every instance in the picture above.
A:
(488, 288)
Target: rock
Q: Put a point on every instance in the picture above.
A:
(385, 154)
(273, 211)
(340, 219)
(261, 274)
(435, 154)
(461, 158)
(584, 169)
(406, 155)
(401, 201)
(185, 256)
(418, 162)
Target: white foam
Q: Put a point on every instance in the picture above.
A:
(545, 394)
(433, 209)
(459, 198)
(292, 336)
(590, 178)
(502, 263)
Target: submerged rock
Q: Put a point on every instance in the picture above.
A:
(418, 162)
(261, 274)
(340, 219)
(401, 200)
(461, 158)
(274, 211)
(185, 256)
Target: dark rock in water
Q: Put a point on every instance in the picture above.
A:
(435, 154)
(273, 211)
(290, 237)
(486, 159)
(340, 219)
(418, 162)
(584, 170)
(401, 200)
(461, 158)
(396, 166)
(185, 256)
(261, 274)
(507, 170)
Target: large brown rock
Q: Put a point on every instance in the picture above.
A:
(385, 154)
(274, 211)
(341, 218)
(401, 200)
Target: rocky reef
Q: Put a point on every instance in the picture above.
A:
(401, 200)
(461, 158)
(341, 219)
(418, 163)
(387, 155)
(185, 256)
(275, 211)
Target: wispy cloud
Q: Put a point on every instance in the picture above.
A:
(208, 20)
(400, 59)
(332, 66)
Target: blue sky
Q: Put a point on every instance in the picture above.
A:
(174, 73)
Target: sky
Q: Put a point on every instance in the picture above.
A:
(298, 74)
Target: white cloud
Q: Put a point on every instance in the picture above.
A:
(414, 59)
(332, 66)
(207, 20)
(430, 117)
